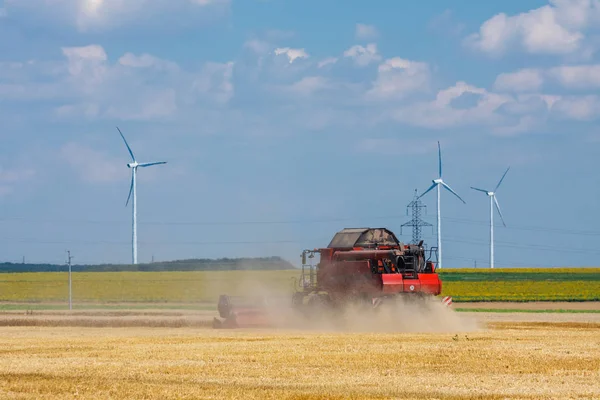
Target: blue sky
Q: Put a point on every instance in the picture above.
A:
(283, 122)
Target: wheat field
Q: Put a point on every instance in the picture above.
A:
(559, 360)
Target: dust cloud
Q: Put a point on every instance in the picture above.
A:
(427, 315)
(273, 301)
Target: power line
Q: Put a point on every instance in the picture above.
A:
(529, 247)
(508, 264)
(104, 242)
(526, 228)
(454, 239)
(299, 222)
(195, 223)
(521, 245)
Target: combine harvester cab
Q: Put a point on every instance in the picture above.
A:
(360, 266)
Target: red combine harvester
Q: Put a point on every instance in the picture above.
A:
(360, 266)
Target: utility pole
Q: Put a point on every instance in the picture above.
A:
(69, 258)
(416, 223)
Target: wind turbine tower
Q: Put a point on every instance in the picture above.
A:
(493, 201)
(134, 165)
(438, 183)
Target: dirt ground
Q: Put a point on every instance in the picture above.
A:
(203, 319)
(440, 318)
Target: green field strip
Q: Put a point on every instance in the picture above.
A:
(517, 310)
(518, 277)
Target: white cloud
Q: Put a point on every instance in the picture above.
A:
(578, 76)
(27, 91)
(392, 146)
(549, 99)
(524, 124)
(157, 104)
(364, 31)
(92, 165)
(146, 61)
(309, 85)
(522, 102)
(524, 80)
(556, 28)
(216, 80)
(327, 61)
(292, 54)
(363, 55)
(115, 91)
(88, 110)
(87, 65)
(445, 24)
(31, 80)
(576, 14)
(442, 113)
(13, 176)
(398, 78)
(93, 15)
(258, 46)
(583, 108)
(89, 83)
(91, 52)
(138, 86)
(205, 3)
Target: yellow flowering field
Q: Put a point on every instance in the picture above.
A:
(522, 291)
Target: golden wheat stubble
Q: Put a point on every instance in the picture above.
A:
(513, 360)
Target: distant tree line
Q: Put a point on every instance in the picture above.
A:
(202, 264)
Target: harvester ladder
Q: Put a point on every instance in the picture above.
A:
(409, 272)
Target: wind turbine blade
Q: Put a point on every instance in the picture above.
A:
(501, 179)
(130, 191)
(499, 212)
(452, 191)
(440, 158)
(427, 191)
(149, 164)
(127, 144)
(481, 190)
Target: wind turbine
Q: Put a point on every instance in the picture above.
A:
(134, 165)
(493, 200)
(437, 183)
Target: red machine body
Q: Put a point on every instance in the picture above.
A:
(371, 263)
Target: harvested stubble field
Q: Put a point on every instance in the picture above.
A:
(145, 335)
(505, 359)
